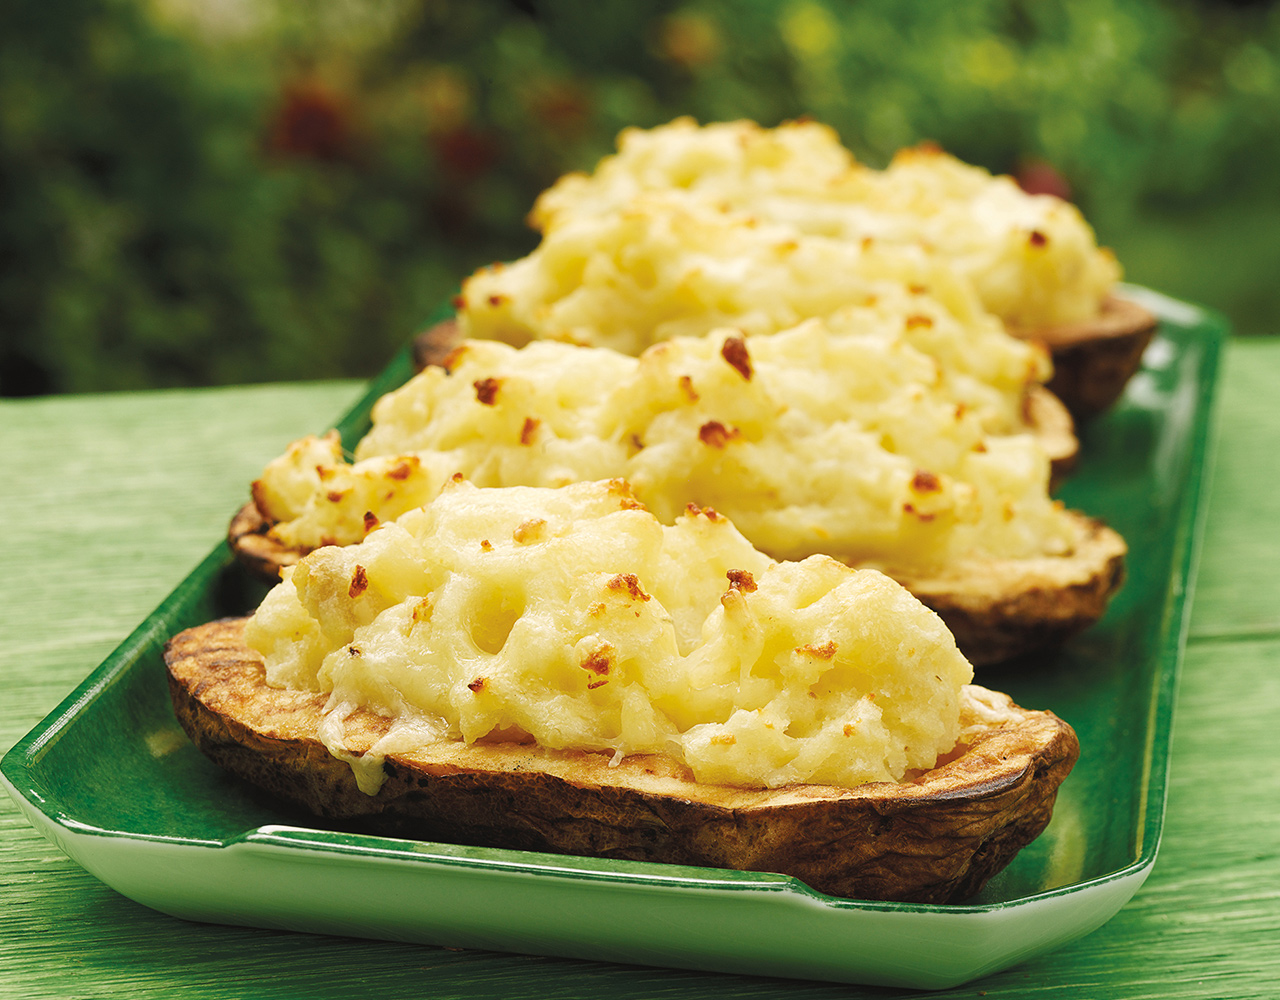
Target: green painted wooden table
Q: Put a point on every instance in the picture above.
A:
(107, 501)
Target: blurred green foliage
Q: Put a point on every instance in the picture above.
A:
(211, 191)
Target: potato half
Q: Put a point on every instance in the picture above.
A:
(1049, 416)
(997, 609)
(936, 837)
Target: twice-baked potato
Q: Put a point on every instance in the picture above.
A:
(1046, 415)
(556, 669)
(908, 480)
(935, 837)
(807, 224)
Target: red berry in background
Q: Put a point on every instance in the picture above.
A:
(562, 108)
(465, 152)
(313, 122)
(1042, 177)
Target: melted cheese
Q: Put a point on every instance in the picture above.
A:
(574, 618)
(665, 266)
(848, 438)
(1032, 259)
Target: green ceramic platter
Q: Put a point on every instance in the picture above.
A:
(111, 779)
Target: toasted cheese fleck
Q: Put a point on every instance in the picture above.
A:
(606, 630)
(1033, 259)
(849, 438)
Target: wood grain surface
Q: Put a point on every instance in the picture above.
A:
(107, 501)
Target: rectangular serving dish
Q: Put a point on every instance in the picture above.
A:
(112, 780)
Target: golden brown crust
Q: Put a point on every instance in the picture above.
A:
(1094, 360)
(936, 838)
(1001, 609)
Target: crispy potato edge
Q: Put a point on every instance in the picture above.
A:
(1093, 361)
(936, 838)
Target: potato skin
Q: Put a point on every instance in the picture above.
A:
(255, 549)
(1094, 360)
(999, 610)
(932, 839)
(433, 345)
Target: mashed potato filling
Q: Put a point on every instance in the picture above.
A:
(665, 266)
(848, 438)
(1033, 259)
(575, 619)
